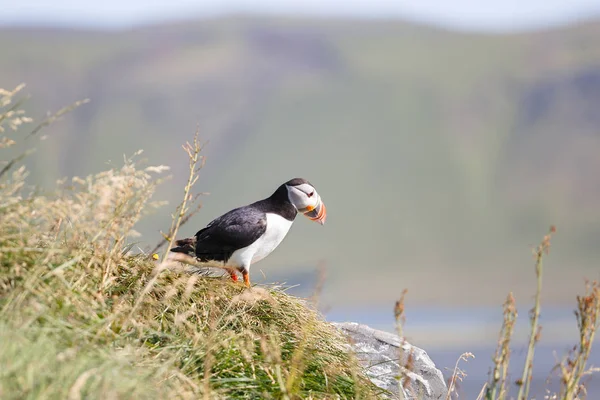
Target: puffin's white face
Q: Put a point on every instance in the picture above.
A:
(307, 201)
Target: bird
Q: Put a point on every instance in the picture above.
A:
(248, 234)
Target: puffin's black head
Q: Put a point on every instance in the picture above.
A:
(305, 198)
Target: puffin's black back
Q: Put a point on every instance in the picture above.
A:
(238, 228)
(234, 230)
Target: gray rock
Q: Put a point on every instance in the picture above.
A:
(385, 356)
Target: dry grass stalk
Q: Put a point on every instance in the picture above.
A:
(535, 334)
(404, 381)
(14, 117)
(195, 164)
(482, 392)
(497, 387)
(457, 375)
(573, 367)
(399, 314)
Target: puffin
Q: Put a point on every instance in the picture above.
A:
(248, 234)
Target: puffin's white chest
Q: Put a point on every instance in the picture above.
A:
(277, 228)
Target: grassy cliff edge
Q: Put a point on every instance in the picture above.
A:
(84, 315)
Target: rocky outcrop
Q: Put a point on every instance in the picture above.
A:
(386, 357)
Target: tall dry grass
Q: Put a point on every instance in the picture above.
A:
(571, 370)
(85, 314)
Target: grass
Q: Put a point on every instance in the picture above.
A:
(84, 313)
(497, 386)
(573, 367)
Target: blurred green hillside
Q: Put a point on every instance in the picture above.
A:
(442, 156)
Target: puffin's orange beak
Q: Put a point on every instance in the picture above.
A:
(318, 213)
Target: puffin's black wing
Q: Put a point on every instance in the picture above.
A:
(234, 230)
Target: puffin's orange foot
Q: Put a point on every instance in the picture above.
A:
(233, 275)
(246, 276)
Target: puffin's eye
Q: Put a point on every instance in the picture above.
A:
(310, 194)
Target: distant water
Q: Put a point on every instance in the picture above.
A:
(477, 369)
(446, 333)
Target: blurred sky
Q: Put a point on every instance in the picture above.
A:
(491, 15)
